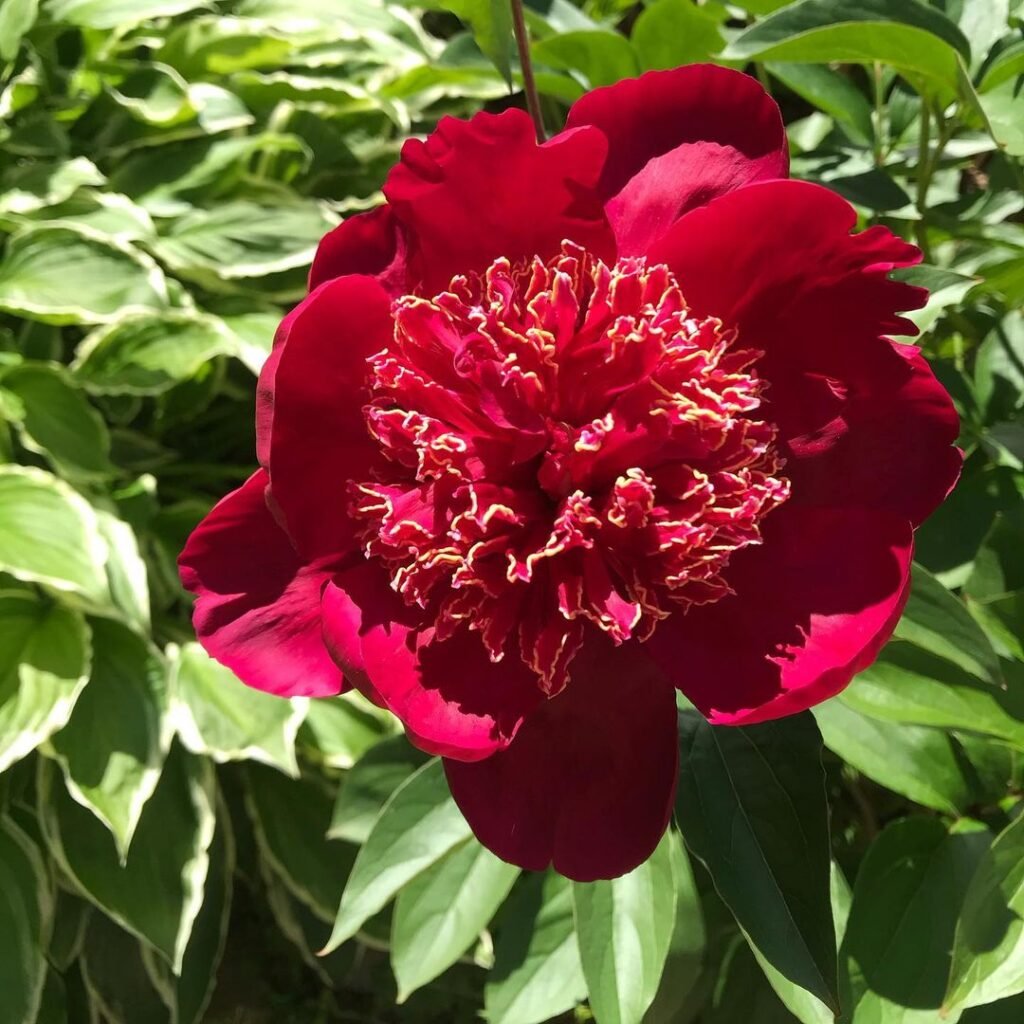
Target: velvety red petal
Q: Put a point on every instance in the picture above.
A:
(777, 260)
(811, 608)
(311, 435)
(676, 140)
(587, 785)
(888, 447)
(368, 243)
(450, 697)
(257, 607)
(483, 188)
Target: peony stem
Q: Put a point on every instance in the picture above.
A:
(529, 85)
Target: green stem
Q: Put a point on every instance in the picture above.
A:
(924, 174)
(879, 125)
(525, 63)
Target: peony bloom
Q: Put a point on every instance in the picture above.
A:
(563, 428)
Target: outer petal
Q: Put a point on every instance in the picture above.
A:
(479, 189)
(309, 424)
(369, 243)
(450, 697)
(258, 607)
(677, 139)
(888, 447)
(588, 783)
(812, 608)
(777, 261)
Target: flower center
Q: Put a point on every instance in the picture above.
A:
(566, 444)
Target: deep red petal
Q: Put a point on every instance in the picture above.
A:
(479, 189)
(777, 261)
(812, 608)
(676, 140)
(369, 243)
(889, 446)
(588, 783)
(310, 428)
(449, 696)
(257, 607)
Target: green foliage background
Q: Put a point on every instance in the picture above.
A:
(175, 847)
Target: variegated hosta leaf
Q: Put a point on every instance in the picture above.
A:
(112, 749)
(157, 892)
(217, 715)
(44, 665)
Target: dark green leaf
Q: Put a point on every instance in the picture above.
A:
(751, 805)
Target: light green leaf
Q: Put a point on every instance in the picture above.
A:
(26, 911)
(154, 94)
(669, 33)
(243, 239)
(988, 950)
(216, 714)
(49, 534)
(600, 58)
(115, 13)
(112, 749)
(907, 684)
(916, 761)
(1008, 65)
(537, 973)
(751, 805)
(58, 421)
(687, 946)
(338, 731)
(623, 927)
(253, 334)
(16, 18)
(906, 900)
(368, 786)
(904, 33)
(44, 665)
(491, 23)
(417, 826)
(66, 275)
(439, 914)
(157, 893)
(291, 819)
(829, 91)
(145, 354)
(936, 621)
(807, 1008)
(40, 184)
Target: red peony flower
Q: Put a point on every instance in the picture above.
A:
(564, 427)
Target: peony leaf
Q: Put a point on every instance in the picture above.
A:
(537, 973)
(917, 761)
(751, 805)
(988, 950)
(418, 825)
(908, 894)
(491, 24)
(439, 914)
(624, 927)
(44, 665)
(113, 748)
(940, 623)
(687, 945)
(338, 731)
(904, 33)
(367, 787)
